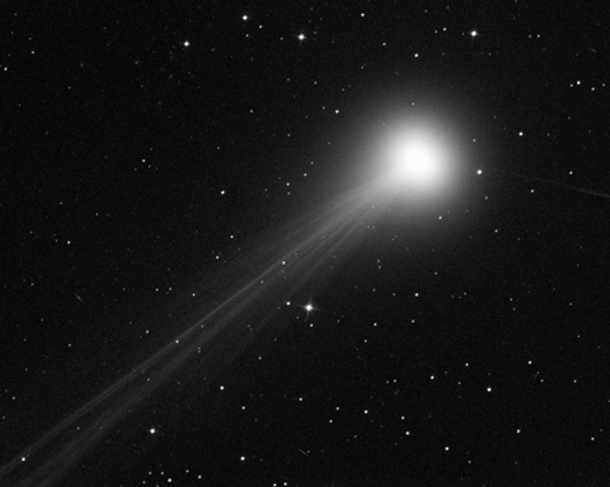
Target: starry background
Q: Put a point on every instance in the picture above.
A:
(148, 148)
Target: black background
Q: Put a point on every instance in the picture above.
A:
(137, 170)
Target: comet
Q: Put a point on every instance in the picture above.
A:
(412, 160)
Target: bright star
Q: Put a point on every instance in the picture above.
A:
(308, 307)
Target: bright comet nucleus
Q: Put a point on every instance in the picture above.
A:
(417, 160)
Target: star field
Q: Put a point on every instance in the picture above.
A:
(157, 157)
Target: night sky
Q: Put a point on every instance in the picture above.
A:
(159, 156)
